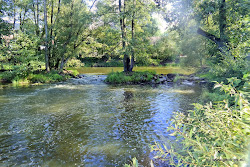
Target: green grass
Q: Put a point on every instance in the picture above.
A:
(132, 77)
(47, 77)
(40, 77)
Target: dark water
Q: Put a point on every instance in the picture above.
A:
(89, 124)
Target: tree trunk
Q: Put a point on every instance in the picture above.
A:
(222, 20)
(220, 42)
(14, 5)
(37, 18)
(123, 30)
(50, 47)
(63, 62)
(133, 40)
(46, 37)
(20, 18)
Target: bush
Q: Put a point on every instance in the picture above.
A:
(207, 96)
(38, 78)
(74, 63)
(55, 78)
(132, 77)
(46, 77)
(134, 163)
(211, 135)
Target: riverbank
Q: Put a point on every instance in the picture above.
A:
(36, 77)
(151, 78)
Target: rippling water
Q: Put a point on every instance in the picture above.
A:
(89, 124)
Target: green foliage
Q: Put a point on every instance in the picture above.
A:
(211, 135)
(17, 76)
(74, 63)
(178, 78)
(73, 72)
(46, 77)
(132, 77)
(207, 96)
(229, 67)
(5, 27)
(133, 164)
(38, 78)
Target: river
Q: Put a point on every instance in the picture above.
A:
(87, 123)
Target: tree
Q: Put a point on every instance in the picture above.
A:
(4, 25)
(46, 37)
(222, 16)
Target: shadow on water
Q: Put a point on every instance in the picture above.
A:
(90, 124)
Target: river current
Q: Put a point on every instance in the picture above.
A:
(87, 122)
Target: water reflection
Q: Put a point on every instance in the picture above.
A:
(86, 125)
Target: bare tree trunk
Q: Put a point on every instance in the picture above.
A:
(46, 37)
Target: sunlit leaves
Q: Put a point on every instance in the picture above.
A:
(211, 135)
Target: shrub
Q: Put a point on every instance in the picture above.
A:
(133, 164)
(38, 78)
(211, 135)
(207, 96)
(74, 63)
(53, 76)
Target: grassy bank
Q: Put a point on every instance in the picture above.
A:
(130, 78)
(36, 77)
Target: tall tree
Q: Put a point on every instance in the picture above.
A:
(46, 37)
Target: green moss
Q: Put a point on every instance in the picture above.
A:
(131, 77)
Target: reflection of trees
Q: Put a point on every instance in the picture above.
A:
(187, 99)
(134, 127)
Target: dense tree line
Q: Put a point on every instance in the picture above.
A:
(38, 35)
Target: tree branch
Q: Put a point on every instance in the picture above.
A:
(208, 35)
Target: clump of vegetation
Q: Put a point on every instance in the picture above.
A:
(179, 77)
(73, 72)
(46, 78)
(134, 163)
(74, 62)
(212, 135)
(41, 77)
(132, 77)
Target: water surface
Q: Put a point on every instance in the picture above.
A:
(159, 70)
(86, 123)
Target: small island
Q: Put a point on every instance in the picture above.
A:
(124, 83)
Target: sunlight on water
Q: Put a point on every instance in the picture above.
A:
(88, 124)
(159, 70)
